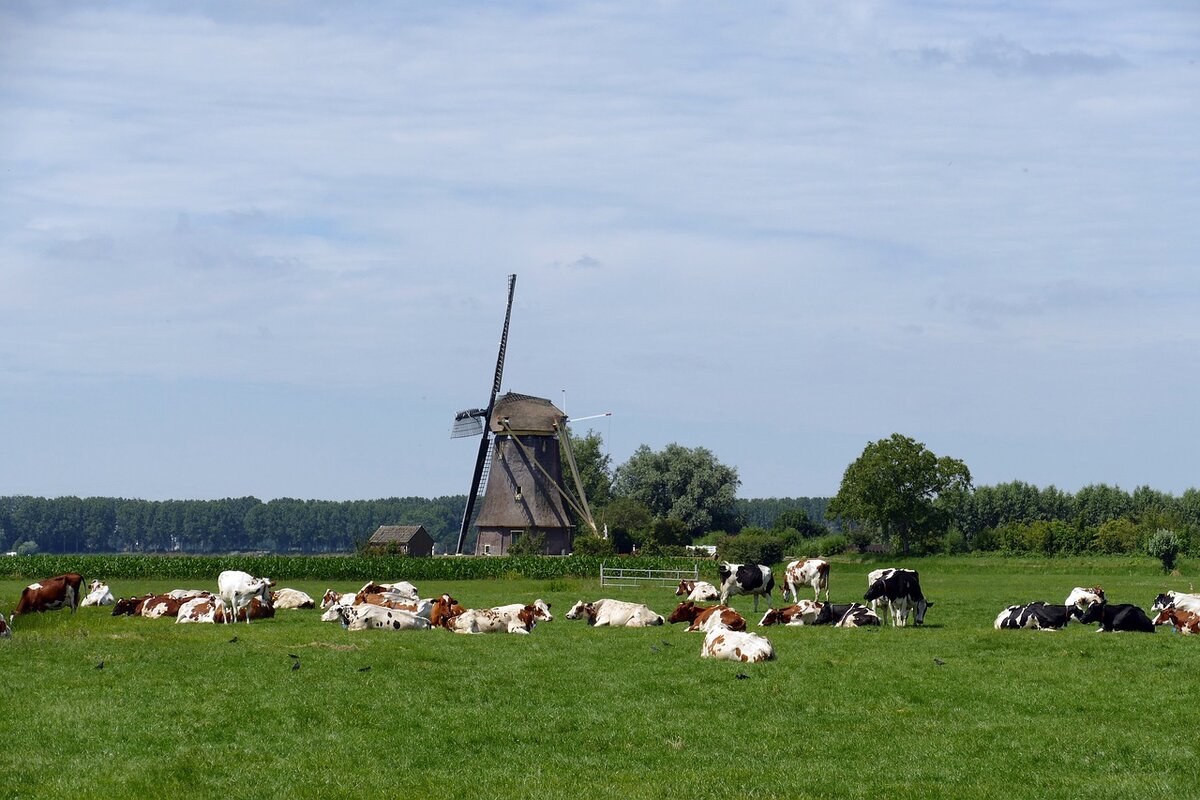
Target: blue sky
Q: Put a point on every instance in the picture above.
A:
(261, 248)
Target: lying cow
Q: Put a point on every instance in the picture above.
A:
(443, 608)
(98, 595)
(801, 613)
(615, 614)
(1184, 622)
(1016, 616)
(1117, 618)
(1081, 597)
(366, 617)
(201, 609)
(812, 572)
(541, 609)
(290, 599)
(402, 588)
(489, 620)
(858, 616)
(5, 631)
(130, 606)
(706, 618)
(752, 579)
(333, 597)
(899, 590)
(697, 591)
(737, 646)
(163, 605)
(51, 594)
(1179, 600)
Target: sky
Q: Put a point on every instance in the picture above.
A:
(262, 248)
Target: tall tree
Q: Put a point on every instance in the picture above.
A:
(677, 482)
(895, 484)
(595, 469)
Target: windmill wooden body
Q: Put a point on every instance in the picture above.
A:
(521, 449)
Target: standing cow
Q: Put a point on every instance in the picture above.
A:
(812, 572)
(50, 595)
(752, 579)
(900, 590)
(238, 588)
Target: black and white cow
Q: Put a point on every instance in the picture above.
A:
(1018, 616)
(1046, 617)
(753, 579)
(1180, 600)
(1118, 617)
(900, 590)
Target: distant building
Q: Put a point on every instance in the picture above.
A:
(407, 540)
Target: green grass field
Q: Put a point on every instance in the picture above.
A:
(569, 711)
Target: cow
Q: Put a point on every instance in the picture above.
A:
(705, 618)
(333, 597)
(366, 616)
(443, 608)
(98, 595)
(812, 572)
(1018, 616)
(1184, 622)
(859, 616)
(291, 598)
(697, 591)
(541, 609)
(1117, 618)
(201, 609)
(736, 646)
(1179, 600)
(5, 631)
(163, 605)
(489, 620)
(1081, 597)
(900, 590)
(130, 606)
(403, 588)
(615, 614)
(801, 613)
(238, 588)
(51, 594)
(752, 579)
(188, 594)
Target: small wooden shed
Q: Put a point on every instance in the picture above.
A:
(407, 540)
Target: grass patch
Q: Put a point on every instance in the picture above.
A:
(576, 712)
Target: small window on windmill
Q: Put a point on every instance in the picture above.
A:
(487, 549)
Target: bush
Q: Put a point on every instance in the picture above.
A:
(593, 546)
(528, 544)
(1165, 546)
(752, 545)
(1116, 536)
(832, 545)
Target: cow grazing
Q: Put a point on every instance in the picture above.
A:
(98, 595)
(5, 631)
(1184, 622)
(489, 620)
(51, 594)
(812, 572)
(615, 614)
(697, 591)
(201, 609)
(291, 598)
(801, 613)
(705, 618)
(1081, 597)
(1179, 600)
(541, 609)
(752, 579)
(900, 590)
(737, 646)
(1117, 618)
(370, 617)
(238, 588)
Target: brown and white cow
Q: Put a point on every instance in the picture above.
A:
(1082, 597)
(404, 589)
(705, 618)
(697, 591)
(237, 588)
(51, 594)
(489, 620)
(202, 609)
(444, 607)
(162, 605)
(812, 572)
(541, 609)
(737, 646)
(5, 631)
(130, 606)
(1185, 622)
(803, 612)
(615, 614)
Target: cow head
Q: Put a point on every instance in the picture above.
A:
(684, 589)
(824, 614)
(919, 610)
(543, 610)
(774, 616)
(589, 612)
(684, 612)
(725, 569)
(1093, 613)
(576, 611)
(1165, 600)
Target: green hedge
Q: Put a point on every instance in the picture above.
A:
(331, 568)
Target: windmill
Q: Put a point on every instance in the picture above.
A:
(518, 469)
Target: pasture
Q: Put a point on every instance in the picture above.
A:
(569, 711)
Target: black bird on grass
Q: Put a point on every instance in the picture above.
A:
(295, 665)
(234, 639)
(741, 676)
(938, 661)
(100, 665)
(363, 669)
(293, 655)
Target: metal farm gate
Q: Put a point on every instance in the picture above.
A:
(624, 576)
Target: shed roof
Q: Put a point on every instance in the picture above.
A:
(396, 533)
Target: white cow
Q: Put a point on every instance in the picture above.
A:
(615, 614)
(188, 594)
(403, 588)
(697, 591)
(737, 646)
(1082, 597)
(812, 572)
(238, 588)
(333, 597)
(490, 620)
(541, 609)
(804, 612)
(1181, 601)
(291, 598)
(366, 616)
(99, 595)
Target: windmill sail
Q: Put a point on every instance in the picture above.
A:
(473, 415)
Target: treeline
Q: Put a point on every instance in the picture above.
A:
(763, 512)
(244, 524)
